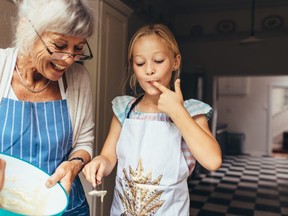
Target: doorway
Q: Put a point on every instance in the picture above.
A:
(277, 117)
(244, 104)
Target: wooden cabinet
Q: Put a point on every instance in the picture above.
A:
(8, 11)
(233, 85)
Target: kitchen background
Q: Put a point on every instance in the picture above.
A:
(234, 58)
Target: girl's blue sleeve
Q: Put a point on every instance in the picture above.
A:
(121, 106)
(196, 107)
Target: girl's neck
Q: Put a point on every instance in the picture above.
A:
(148, 104)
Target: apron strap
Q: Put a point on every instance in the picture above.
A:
(134, 104)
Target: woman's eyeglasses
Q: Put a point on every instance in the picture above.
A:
(65, 55)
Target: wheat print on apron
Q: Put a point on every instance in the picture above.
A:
(151, 172)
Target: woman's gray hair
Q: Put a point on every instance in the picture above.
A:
(68, 17)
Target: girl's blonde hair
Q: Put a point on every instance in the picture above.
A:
(68, 17)
(164, 34)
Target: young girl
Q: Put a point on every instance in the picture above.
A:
(157, 137)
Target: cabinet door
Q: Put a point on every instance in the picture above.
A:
(233, 85)
(8, 11)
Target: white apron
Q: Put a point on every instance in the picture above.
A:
(152, 171)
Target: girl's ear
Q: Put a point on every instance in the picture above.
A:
(177, 62)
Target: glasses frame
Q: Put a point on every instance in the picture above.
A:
(81, 56)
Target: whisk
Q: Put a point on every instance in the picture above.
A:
(97, 192)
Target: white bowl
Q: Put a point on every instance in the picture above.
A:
(24, 191)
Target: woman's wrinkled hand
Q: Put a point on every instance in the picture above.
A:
(2, 172)
(65, 173)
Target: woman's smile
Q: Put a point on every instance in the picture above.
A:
(58, 67)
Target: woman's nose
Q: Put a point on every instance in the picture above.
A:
(70, 59)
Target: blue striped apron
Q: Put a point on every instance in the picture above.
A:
(41, 133)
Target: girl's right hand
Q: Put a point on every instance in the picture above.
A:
(169, 100)
(94, 170)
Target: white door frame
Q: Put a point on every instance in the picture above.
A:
(269, 144)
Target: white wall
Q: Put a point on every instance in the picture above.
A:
(248, 113)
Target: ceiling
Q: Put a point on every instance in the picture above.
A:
(190, 6)
(213, 18)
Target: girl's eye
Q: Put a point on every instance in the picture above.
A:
(139, 64)
(60, 46)
(159, 61)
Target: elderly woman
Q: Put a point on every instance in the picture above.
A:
(45, 96)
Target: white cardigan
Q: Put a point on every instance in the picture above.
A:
(79, 98)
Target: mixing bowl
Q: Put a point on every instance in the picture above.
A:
(24, 191)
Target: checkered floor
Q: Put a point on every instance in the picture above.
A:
(244, 185)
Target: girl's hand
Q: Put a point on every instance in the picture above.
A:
(94, 170)
(65, 173)
(169, 101)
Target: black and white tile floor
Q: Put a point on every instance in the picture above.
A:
(244, 185)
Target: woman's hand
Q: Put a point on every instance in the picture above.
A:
(95, 170)
(169, 101)
(65, 173)
(2, 172)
